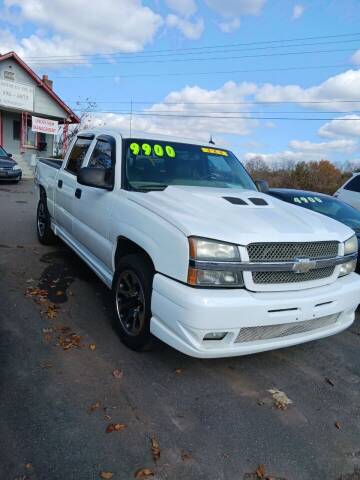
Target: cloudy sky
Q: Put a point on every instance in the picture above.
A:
(277, 78)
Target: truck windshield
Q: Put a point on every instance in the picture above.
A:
(154, 165)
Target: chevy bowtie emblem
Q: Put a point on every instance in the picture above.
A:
(303, 265)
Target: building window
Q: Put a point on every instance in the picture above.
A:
(31, 137)
(16, 129)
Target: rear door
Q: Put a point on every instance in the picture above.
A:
(92, 207)
(350, 192)
(67, 183)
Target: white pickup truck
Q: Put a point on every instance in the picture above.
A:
(194, 253)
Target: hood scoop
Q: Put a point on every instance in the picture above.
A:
(258, 201)
(235, 200)
(239, 201)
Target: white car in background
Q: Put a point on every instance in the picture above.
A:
(350, 191)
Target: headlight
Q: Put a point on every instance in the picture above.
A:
(347, 268)
(351, 245)
(203, 250)
(16, 167)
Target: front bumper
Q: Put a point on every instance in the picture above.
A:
(10, 174)
(182, 315)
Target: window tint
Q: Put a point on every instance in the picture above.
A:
(77, 155)
(101, 156)
(354, 184)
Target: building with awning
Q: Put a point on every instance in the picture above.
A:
(30, 111)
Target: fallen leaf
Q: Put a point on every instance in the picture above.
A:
(282, 401)
(337, 425)
(46, 365)
(59, 293)
(28, 466)
(144, 473)
(106, 475)
(260, 471)
(178, 370)
(155, 449)
(115, 427)
(92, 346)
(69, 340)
(118, 373)
(94, 406)
(186, 456)
(329, 381)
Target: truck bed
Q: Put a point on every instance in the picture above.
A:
(52, 162)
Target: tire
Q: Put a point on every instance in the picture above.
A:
(131, 298)
(43, 223)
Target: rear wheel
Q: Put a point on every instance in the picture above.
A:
(131, 292)
(43, 223)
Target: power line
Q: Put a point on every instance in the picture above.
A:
(142, 55)
(200, 47)
(255, 102)
(217, 117)
(233, 57)
(219, 112)
(222, 72)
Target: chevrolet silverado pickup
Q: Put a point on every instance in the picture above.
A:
(194, 253)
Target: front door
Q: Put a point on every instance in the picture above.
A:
(92, 207)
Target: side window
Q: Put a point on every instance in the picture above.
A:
(101, 155)
(77, 155)
(354, 184)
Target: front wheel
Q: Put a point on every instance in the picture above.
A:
(43, 224)
(132, 288)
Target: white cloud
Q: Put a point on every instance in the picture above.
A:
(192, 101)
(307, 151)
(83, 27)
(183, 7)
(346, 126)
(236, 8)
(344, 86)
(323, 148)
(298, 11)
(230, 26)
(192, 30)
(355, 58)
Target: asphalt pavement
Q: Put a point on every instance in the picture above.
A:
(76, 404)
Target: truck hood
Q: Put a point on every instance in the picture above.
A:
(204, 212)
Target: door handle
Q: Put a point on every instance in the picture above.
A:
(78, 193)
(60, 183)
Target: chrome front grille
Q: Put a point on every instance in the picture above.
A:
(266, 332)
(291, 277)
(287, 252)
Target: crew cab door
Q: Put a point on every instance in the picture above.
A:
(92, 208)
(65, 190)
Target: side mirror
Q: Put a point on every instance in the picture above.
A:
(262, 186)
(9, 155)
(93, 177)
